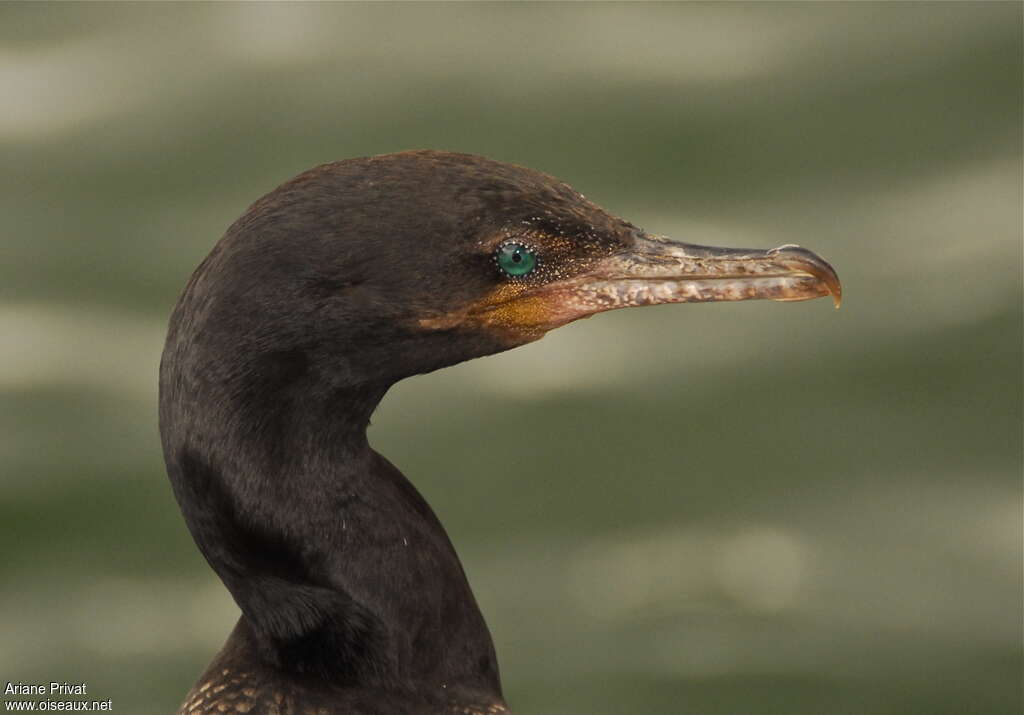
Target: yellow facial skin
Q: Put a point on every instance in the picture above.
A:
(653, 271)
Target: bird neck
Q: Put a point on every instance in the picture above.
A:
(339, 566)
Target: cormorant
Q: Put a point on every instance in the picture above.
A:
(327, 291)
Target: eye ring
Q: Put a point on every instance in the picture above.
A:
(516, 259)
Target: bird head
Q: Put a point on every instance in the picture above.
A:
(404, 263)
(332, 287)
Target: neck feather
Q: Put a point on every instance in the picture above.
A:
(339, 566)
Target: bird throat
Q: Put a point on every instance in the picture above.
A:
(339, 566)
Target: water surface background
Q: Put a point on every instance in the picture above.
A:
(757, 508)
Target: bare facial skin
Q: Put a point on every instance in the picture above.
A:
(657, 270)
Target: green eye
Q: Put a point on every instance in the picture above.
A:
(515, 259)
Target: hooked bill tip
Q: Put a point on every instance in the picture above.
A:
(809, 262)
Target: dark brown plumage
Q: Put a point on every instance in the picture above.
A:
(322, 295)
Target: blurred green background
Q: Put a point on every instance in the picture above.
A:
(757, 507)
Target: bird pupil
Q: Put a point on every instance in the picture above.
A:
(515, 259)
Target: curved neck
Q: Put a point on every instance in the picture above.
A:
(339, 566)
